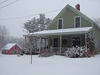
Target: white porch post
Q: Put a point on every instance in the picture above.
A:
(26, 39)
(60, 43)
(45, 43)
(52, 43)
(39, 44)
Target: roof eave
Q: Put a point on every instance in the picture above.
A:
(56, 32)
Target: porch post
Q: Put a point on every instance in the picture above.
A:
(86, 40)
(52, 42)
(60, 43)
(45, 43)
(39, 44)
(25, 39)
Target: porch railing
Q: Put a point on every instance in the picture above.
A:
(57, 49)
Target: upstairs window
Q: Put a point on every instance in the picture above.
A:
(77, 22)
(15, 47)
(60, 23)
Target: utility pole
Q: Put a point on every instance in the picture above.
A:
(31, 56)
(31, 52)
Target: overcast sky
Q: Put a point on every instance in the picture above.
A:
(9, 14)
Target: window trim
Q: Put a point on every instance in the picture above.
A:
(75, 22)
(62, 22)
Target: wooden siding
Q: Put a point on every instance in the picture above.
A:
(12, 50)
(68, 20)
(96, 35)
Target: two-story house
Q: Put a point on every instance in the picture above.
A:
(69, 28)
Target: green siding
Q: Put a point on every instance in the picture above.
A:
(68, 20)
(96, 33)
(54, 26)
(85, 23)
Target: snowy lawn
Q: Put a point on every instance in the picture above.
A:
(54, 65)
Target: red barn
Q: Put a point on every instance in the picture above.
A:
(11, 48)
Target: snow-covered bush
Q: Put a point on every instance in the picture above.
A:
(46, 53)
(77, 52)
(90, 45)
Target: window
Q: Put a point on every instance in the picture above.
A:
(11, 51)
(60, 23)
(76, 41)
(77, 22)
(15, 47)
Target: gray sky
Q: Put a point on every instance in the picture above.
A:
(21, 8)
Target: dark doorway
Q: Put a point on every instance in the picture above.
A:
(15, 52)
(75, 41)
(56, 42)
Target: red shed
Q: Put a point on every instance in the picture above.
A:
(11, 48)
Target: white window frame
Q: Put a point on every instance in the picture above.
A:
(75, 22)
(62, 22)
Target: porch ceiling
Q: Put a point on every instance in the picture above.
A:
(68, 31)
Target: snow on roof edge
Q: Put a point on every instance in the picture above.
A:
(9, 46)
(62, 31)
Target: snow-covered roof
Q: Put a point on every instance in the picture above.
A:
(8, 46)
(68, 31)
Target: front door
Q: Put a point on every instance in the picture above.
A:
(15, 52)
(56, 42)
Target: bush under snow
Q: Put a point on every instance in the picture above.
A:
(77, 52)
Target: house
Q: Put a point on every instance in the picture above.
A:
(69, 28)
(11, 48)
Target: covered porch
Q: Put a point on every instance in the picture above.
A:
(60, 39)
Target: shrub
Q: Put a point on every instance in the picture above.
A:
(77, 52)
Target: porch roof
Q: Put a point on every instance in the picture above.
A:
(68, 31)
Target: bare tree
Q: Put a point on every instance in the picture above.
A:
(3, 35)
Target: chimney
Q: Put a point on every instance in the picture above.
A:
(78, 7)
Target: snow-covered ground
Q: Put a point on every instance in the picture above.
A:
(54, 65)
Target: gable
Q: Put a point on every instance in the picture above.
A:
(68, 15)
(15, 47)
